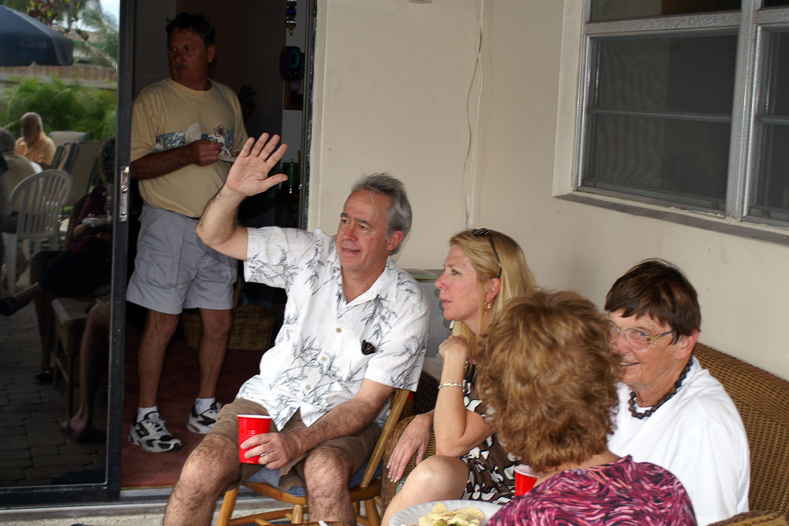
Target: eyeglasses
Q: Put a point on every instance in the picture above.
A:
(484, 232)
(637, 338)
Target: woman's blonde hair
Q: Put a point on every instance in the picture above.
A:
(547, 375)
(516, 278)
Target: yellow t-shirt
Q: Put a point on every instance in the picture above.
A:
(167, 115)
(42, 151)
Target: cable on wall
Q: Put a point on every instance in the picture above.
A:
(470, 163)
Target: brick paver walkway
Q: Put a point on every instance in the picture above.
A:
(33, 450)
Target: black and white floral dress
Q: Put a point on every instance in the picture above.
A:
(491, 468)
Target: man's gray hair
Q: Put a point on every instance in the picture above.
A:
(33, 115)
(399, 215)
(7, 141)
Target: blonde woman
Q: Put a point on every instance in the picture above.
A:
(484, 269)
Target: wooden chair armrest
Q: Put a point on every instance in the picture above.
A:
(399, 401)
(754, 518)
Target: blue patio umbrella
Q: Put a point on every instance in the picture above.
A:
(24, 40)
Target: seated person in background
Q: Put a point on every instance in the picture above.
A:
(86, 266)
(355, 329)
(484, 269)
(5, 204)
(16, 169)
(672, 412)
(18, 166)
(548, 379)
(33, 143)
(93, 358)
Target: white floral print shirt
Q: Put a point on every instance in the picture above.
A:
(317, 361)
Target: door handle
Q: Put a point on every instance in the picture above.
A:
(123, 214)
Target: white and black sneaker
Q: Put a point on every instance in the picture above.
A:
(151, 434)
(203, 422)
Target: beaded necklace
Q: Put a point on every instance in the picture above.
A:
(666, 397)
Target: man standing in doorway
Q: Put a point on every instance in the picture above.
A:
(179, 128)
(34, 143)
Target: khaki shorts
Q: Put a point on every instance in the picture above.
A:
(357, 447)
(175, 270)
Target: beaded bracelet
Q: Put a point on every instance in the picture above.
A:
(450, 384)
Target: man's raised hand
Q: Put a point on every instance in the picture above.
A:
(249, 174)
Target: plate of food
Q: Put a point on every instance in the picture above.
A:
(446, 513)
(229, 156)
(97, 221)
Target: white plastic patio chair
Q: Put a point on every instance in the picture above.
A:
(39, 198)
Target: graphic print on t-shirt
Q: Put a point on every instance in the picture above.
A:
(168, 141)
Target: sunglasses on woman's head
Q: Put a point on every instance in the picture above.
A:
(485, 232)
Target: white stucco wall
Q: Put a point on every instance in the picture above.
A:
(391, 84)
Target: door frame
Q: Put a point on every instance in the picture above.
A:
(24, 496)
(306, 116)
(110, 489)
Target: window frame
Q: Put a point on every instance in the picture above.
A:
(764, 20)
(751, 25)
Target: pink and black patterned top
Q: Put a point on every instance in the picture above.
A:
(620, 493)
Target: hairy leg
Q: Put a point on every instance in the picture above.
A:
(327, 471)
(435, 478)
(208, 471)
(212, 349)
(159, 329)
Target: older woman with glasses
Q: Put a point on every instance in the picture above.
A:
(484, 269)
(672, 412)
(549, 378)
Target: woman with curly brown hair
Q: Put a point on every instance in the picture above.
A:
(548, 378)
(484, 269)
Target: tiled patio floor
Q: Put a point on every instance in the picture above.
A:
(134, 509)
(33, 450)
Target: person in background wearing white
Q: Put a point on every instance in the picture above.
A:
(16, 168)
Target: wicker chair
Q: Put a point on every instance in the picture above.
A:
(754, 518)
(763, 402)
(424, 401)
(252, 328)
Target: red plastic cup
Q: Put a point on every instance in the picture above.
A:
(524, 479)
(249, 426)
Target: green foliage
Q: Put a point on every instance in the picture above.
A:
(19, 5)
(62, 107)
(102, 42)
(65, 12)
